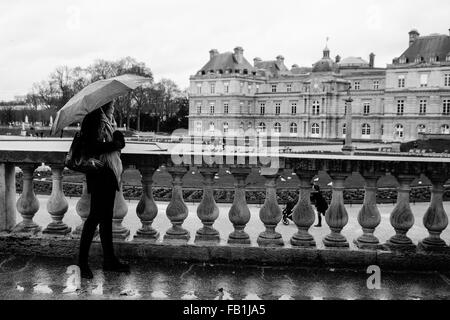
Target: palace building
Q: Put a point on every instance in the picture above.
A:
(396, 103)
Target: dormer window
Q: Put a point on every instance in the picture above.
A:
(203, 73)
(402, 60)
(418, 59)
(245, 71)
(237, 71)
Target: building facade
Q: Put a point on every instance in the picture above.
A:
(396, 103)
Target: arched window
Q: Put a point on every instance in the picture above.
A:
(225, 127)
(316, 108)
(277, 127)
(262, 127)
(211, 126)
(365, 129)
(399, 131)
(421, 128)
(293, 128)
(445, 129)
(315, 130)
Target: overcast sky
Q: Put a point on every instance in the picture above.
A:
(174, 37)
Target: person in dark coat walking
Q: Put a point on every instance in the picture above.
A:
(320, 203)
(288, 210)
(101, 143)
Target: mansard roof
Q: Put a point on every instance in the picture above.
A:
(427, 47)
(227, 61)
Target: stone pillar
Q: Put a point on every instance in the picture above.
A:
(146, 209)
(7, 196)
(336, 215)
(402, 218)
(303, 214)
(207, 211)
(369, 216)
(83, 208)
(435, 218)
(270, 213)
(120, 211)
(27, 204)
(239, 213)
(57, 204)
(177, 211)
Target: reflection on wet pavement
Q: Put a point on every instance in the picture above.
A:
(49, 278)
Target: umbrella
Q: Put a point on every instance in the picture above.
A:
(93, 97)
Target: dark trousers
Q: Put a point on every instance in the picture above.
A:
(102, 186)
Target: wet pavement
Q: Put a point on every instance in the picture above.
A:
(49, 278)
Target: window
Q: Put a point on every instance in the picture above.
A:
(199, 108)
(198, 127)
(249, 88)
(401, 81)
(225, 127)
(424, 80)
(382, 130)
(357, 85)
(262, 127)
(241, 86)
(293, 128)
(294, 108)
(249, 125)
(399, 131)
(277, 107)
(447, 80)
(241, 107)
(249, 107)
(446, 107)
(376, 84)
(344, 129)
(211, 108)
(315, 130)
(213, 88)
(262, 108)
(445, 129)
(400, 107)
(277, 127)
(289, 87)
(257, 88)
(225, 108)
(211, 126)
(421, 128)
(366, 108)
(226, 87)
(199, 88)
(422, 107)
(366, 129)
(316, 108)
(274, 88)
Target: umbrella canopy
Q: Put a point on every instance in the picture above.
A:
(93, 97)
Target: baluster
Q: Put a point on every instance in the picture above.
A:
(369, 216)
(147, 209)
(207, 211)
(435, 218)
(57, 204)
(336, 216)
(7, 196)
(177, 211)
(303, 213)
(402, 218)
(27, 204)
(83, 208)
(239, 214)
(120, 211)
(270, 213)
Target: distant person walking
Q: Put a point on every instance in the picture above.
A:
(320, 203)
(288, 210)
(103, 144)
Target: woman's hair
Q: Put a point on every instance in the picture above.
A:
(91, 121)
(316, 187)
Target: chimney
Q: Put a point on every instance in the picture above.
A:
(372, 60)
(338, 58)
(213, 53)
(239, 54)
(413, 35)
(256, 61)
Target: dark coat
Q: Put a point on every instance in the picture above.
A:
(93, 142)
(319, 201)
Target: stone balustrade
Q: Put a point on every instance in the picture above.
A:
(305, 167)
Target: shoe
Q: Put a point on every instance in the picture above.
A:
(318, 225)
(285, 221)
(85, 272)
(116, 266)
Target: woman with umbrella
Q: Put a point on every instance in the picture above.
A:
(101, 146)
